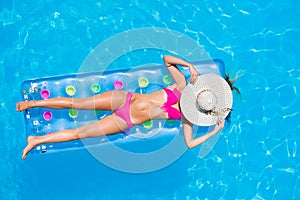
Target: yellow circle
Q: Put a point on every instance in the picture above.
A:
(70, 90)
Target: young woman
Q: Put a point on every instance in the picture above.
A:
(129, 109)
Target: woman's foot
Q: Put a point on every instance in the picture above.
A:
(31, 142)
(24, 105)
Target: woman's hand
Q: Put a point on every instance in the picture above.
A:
(220, 124)
(194, 74)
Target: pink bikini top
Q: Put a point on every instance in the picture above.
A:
(173, 97)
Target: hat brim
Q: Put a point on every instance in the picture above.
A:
(216, 84)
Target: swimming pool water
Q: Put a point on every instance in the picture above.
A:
(257, 158)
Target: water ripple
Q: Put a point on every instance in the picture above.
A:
(257, 158)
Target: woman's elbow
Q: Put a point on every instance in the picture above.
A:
(190, 145)
(166, 57)
(167, 60)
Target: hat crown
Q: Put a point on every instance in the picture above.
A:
(206, 100)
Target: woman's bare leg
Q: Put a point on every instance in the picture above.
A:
(105, 101)
(106, 126)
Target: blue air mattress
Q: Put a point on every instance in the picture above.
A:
(40, 121)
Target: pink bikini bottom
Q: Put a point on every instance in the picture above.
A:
(124, 111)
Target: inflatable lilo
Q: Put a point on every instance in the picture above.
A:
(67, 108)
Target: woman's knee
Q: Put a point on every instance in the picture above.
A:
(88, 131)
(78, 103)
(75, 134)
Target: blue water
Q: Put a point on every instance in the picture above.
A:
(257, 158)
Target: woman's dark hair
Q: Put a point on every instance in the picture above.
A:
(231, 82)
(233, 88)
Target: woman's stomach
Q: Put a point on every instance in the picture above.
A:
(146, 107)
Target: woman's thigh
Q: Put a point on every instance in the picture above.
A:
(110, 100)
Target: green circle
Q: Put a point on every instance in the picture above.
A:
(167, 79)
(95, 88)
(148, 124)
(171, 122)
(70, 90)
(143, 82)
(73, 113)
(98, 112)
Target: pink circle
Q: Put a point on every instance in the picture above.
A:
(47, 115)
(118, 85)
(45, 93)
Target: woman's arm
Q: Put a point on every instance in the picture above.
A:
(188, 133)
(178, 77)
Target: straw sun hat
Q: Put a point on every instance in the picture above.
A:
(209, 98)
